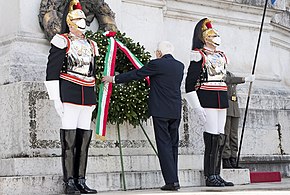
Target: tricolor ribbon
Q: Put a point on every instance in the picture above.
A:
(106, 88)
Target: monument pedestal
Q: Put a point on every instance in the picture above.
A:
(43, 174)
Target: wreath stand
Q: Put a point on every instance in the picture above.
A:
(121, 153)
(106, 89)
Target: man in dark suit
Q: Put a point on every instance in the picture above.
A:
(166, 75)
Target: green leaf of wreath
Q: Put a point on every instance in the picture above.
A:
(128, 101)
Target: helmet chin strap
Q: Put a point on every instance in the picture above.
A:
(81, 30)
(76, 32)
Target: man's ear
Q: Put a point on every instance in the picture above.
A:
(159, 54)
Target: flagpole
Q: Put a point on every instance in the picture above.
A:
(250, 87)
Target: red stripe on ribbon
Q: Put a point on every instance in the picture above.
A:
(110, 89)
(132, 60)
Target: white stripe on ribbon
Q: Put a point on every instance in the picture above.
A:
(101, 119)
(106, 88)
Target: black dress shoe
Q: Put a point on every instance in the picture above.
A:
(212, 181)
(176, 185)
(171, 187)
(227, 183)
(83, 188)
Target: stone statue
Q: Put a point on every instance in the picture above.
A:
(50, 15)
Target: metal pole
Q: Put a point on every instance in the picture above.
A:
(148, 138)
(121, 157)
(250, 87)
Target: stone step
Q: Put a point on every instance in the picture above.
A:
(52, 184)
(39, 166)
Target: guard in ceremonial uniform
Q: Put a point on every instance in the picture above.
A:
(229, 155)
(206, 93)
(70, 82)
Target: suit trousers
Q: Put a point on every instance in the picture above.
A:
(167, 138)
(231, 130)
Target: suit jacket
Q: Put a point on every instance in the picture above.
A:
(232, 81)
(166, 75)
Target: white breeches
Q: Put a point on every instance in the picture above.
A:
(215, 120)
(76, 116)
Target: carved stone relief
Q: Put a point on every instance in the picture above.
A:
(50, 15)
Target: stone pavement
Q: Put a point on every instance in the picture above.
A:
(271, 188)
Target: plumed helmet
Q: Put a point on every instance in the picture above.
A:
(75, 12)
(208, 33)
(204, 32)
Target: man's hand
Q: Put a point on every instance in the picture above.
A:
(107, 79)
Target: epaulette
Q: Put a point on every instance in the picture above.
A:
(95, 47)
(225, 57)
(60, 41)
(195, 55)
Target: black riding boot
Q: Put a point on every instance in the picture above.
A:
(233, 162)
(221, 145)
(210, 153)
(83, 139)
(227, 164)
(67, 138)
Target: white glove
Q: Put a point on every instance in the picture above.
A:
(58, 107)
(193, 103)
(52, 89)
(54, 94)
(200, 112)
(250, 78)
